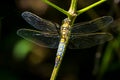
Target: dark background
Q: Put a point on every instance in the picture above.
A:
(80, 64)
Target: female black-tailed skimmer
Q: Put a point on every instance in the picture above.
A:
(52, 35)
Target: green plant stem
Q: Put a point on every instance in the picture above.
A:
(72, 9)
(89, 7)
(54, 73)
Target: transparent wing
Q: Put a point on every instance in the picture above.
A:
(78, 41)
(92, 26)
(39, 23)
(49, 40)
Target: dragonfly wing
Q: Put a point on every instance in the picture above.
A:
(79, 41)
(49, 40)
(92, 26)
(39, 23)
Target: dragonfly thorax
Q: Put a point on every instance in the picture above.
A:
(65, 28)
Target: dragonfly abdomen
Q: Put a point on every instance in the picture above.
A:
(60, 51)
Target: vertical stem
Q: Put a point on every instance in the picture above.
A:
(72, 11)
(54, 73)
(72, 8)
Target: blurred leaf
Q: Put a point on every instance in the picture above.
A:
(105, 61)
(21, 49)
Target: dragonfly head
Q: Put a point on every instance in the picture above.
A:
(66, 20)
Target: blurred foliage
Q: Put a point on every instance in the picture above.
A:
(77, 64)
(21, 49)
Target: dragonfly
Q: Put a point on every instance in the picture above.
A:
(76, 36)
